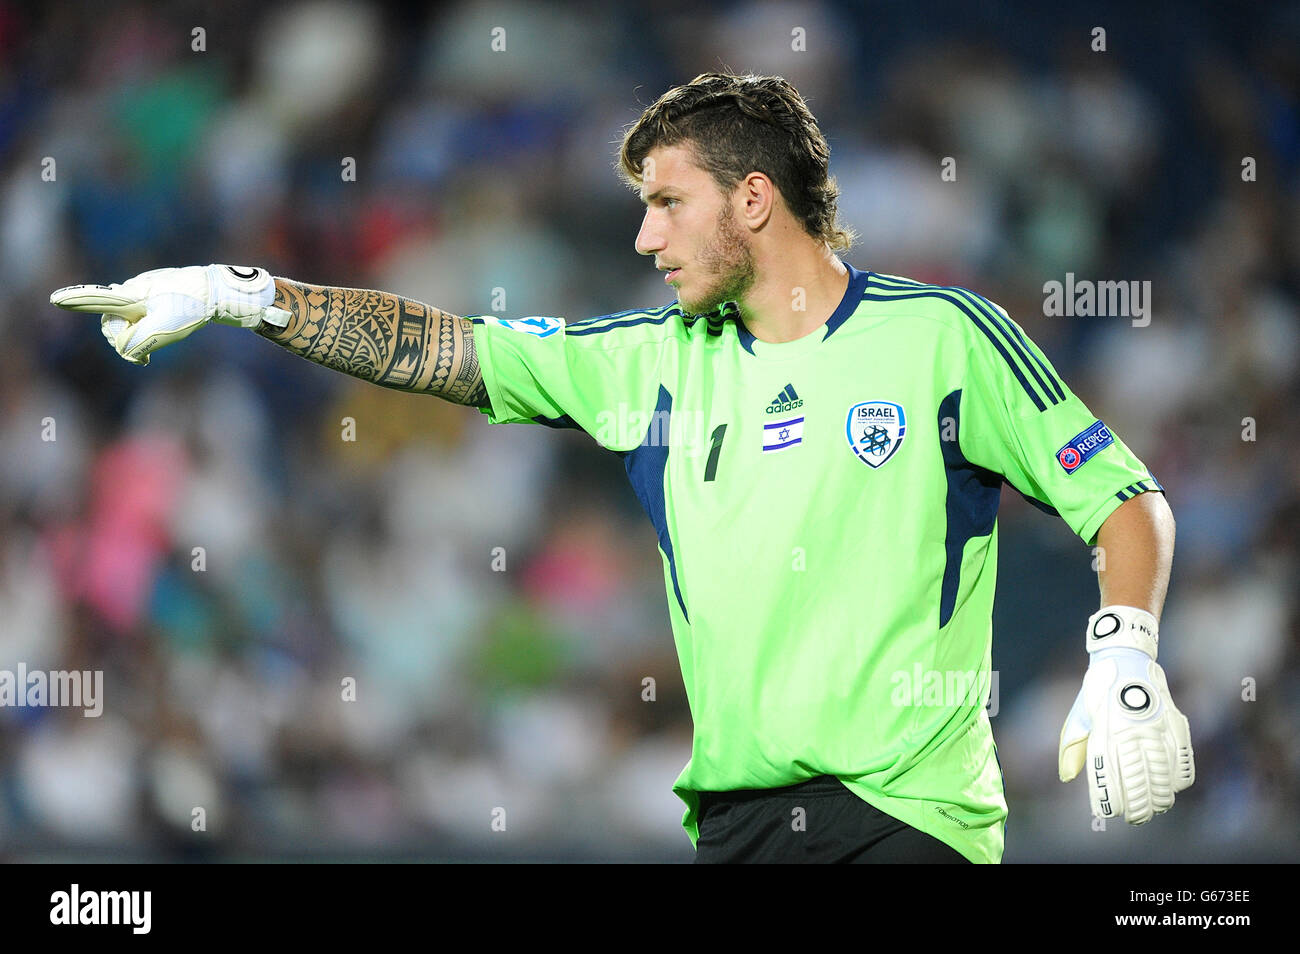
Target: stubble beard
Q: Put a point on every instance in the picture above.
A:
(727, 256)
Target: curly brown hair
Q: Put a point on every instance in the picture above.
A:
(742, 124)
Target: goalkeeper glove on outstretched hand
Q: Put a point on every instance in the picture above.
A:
(1124, 730)
(157, 307)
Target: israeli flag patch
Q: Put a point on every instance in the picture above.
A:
(782, 434)
(875, 431)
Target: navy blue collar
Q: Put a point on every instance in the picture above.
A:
(847, 306)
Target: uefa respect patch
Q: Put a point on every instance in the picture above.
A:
(1082, 446)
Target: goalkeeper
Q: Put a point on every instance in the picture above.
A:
(821, 451)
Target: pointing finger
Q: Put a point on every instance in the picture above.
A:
(101, 299)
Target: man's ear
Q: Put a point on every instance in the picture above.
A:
(756, 199)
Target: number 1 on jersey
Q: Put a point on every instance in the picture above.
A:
(711, 468)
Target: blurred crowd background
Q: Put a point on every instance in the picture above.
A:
(123, 148)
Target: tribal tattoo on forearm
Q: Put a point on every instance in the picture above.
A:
(382, 338)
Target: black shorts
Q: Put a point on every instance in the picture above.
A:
(834, 826)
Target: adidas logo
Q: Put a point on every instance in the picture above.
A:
(787, 400)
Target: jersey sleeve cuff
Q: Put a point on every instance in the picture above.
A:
(495, 412)
(1090, 528)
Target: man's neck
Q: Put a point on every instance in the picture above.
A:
(792, 299)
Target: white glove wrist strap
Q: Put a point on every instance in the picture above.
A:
(244, 295)
(1112, 627)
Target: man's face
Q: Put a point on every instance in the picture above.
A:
(690, 229)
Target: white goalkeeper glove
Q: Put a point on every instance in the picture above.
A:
(1124, 726)
(157, 307)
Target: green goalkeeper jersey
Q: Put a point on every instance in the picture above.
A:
(826, 513)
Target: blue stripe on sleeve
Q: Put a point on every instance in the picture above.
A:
(988, 333)
(961, 297)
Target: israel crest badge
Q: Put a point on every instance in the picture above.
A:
(875, 430)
